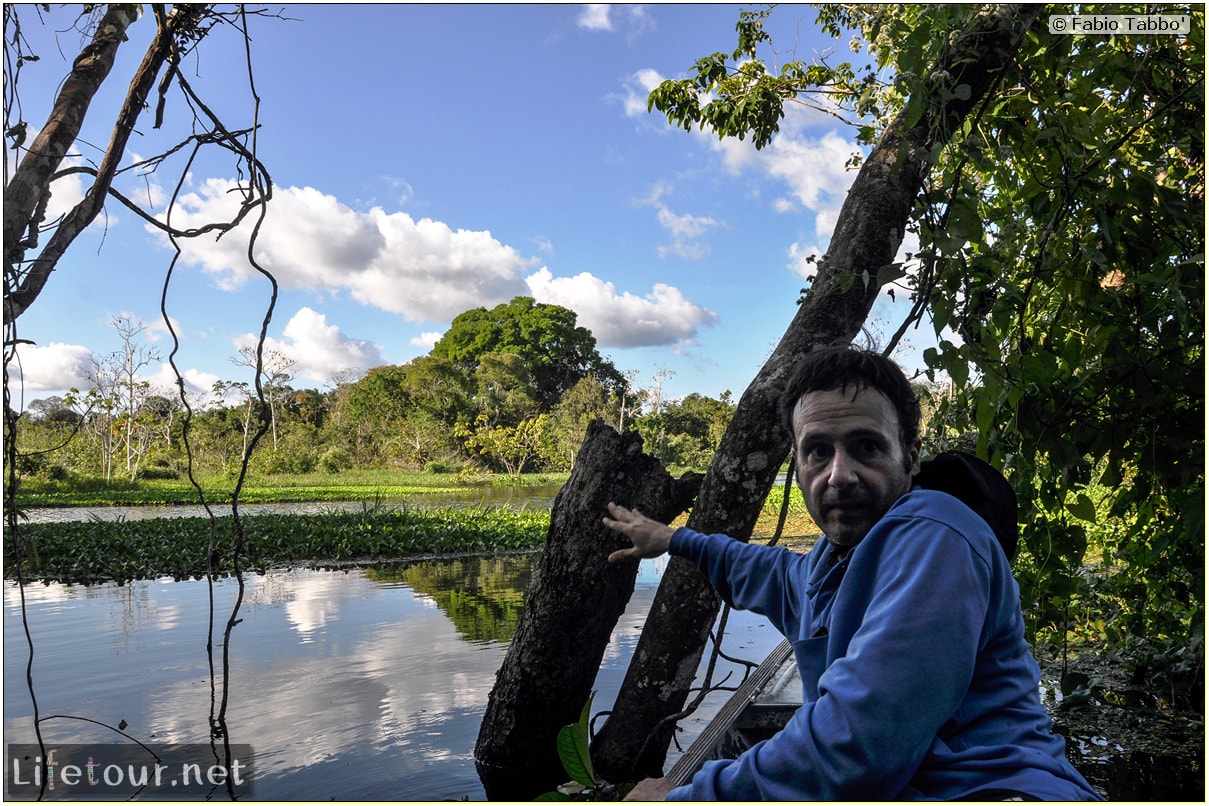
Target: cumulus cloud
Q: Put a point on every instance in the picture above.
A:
(595, 17)
(59, 367)
(319, 350)
(428, 271)
(808, 155)
(634, 93)
(428, 339)
(423, 270)
(664, 316)
(199, 386)
(55, 367)
(813, 168)
(632, 18)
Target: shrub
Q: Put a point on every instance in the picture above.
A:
(157, 474)
(334, 460)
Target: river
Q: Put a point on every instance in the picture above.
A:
(529, 497)
(350, 684)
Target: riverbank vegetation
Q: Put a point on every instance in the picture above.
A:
(98, 550)
(182, 548)
(354, 485)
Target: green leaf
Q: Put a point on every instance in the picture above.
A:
(573, 748)
(890, 273)
(1083, 508)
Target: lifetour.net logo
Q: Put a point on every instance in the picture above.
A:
(127, 771)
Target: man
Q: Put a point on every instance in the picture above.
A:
(905, 622)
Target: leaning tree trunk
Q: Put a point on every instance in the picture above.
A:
(633, 743)
(571, 608)
(29, 191)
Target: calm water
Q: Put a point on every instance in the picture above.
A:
(351, 684)
(531, 497)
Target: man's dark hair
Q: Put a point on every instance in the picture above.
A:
(844, 368)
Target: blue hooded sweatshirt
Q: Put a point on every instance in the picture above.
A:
(917, 680)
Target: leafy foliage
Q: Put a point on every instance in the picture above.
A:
(1064, 243)
(512, 447)
(1061, 263)
(482, 596)
(685, 433)
(556, 352)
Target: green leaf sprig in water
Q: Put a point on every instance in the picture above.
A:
(573, 751)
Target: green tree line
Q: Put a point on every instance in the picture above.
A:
(506, 390)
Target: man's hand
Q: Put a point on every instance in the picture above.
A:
(650, 538)
(650, 789)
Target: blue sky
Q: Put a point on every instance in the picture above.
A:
(428, 159)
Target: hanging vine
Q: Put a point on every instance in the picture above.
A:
(28, 191)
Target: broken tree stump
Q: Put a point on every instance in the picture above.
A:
(571, 608)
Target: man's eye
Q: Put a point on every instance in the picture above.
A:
(817, 453)
(868, 447)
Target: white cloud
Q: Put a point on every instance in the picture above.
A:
(59, 367)
(814, 168)
(684, 228)
(663, 316)
(639, 21)
(811, 165)
(803, 260)
(199, 386)
(428, 339)
(422, 270)
(429, 272)
(635, 89)
(319, 350)
(56, 367)
(595, 17)
(600, 17)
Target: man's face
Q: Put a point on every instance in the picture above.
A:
(850, 461)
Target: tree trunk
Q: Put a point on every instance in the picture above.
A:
(26, 195)
(633, 743)
(571, 608)
(33, 176)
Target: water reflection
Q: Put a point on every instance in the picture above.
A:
(481, 596)
(349, 684)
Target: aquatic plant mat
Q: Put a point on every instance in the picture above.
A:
(98, 551)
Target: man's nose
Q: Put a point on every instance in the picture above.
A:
(843, 470)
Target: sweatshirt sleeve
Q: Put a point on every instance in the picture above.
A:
(748, 576)
(911, 613)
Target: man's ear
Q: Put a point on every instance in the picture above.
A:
(916, 448)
